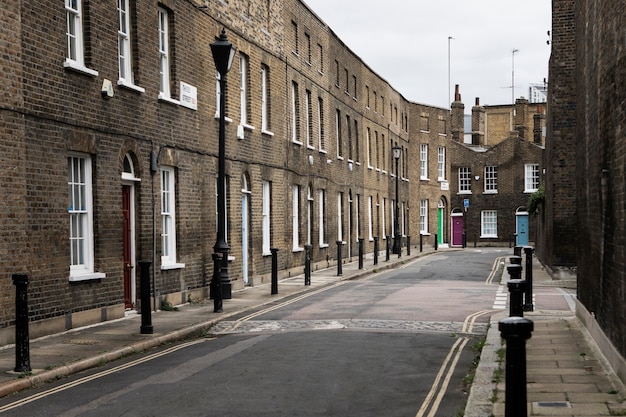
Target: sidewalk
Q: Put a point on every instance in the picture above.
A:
(63, 354)
(566, 373)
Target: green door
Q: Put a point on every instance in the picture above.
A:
(440, 225)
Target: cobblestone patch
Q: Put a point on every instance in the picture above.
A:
(229, 327)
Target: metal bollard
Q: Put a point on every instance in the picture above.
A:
(517, 250)
(388, 250)
(528, 299)
(516, 260)
(144, 282)
(22, 342)
(274, 289)
(375, 250)
(515, 271)
(339, 265)
(307, 264)
(421, 243)
(216, 284)
(408, 245)
(515, 330)
(436, 242)
(516, 289)
(464, 240)
(360, 253)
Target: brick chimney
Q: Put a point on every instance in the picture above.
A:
(457, 115)
(521, 118)
(538, 123)
(478, 124)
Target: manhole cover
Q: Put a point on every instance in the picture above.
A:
(82, 342)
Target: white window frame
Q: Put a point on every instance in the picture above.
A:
(441, 163)
(295, 128)
(309, 215)
(338, 134)
(124, 47)
(168, 219)
(295, 214)
(322, 218)
(164, 55)
(424, 216)
(266, 214)
(383, 218)
(320, 125)
(423, 161)
(465, 180)
(265, 101)
(308, 115)
(243, 89)
(531, 178)
(489, 224)
(340, 216)
(370, 225)
(491, 179)
(368, 148)
(74, 33)
(81, 237)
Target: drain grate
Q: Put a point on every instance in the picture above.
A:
(553, 404)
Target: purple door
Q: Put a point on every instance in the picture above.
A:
(457, 230)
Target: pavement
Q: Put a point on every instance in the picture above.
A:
(566, 373)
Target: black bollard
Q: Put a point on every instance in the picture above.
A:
(421, 242)
(144, 282)
(216, 284)
(515, 271)
(388, 250)
(436, 242)
(517, 250)
(399, 246)
(464, 240)
(515, 260)
(360, 253)
(528, 299)
(375, 250)
(339, 266)
(516, 291)
(408, 246)
(515, 330)
(22, 343)
(274, 289)
(307, 264)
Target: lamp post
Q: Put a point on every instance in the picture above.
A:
(223, 53)
(397, 152)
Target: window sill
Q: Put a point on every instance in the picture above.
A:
(323, 245)
(75, 66)
(464, 193)
(169, 100)
(424, 179)
(297, 249)
(267, 133)
(488, 236)
(126, 84)
(166, 267)
(490, 192)
(87, 277)
(226, 118)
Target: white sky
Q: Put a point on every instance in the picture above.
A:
(407, 45)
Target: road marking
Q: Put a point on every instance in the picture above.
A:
(501, 299)
(468, 324)
(96, 376)
(495, 268)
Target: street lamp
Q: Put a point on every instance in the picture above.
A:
(397, 152)
(223, 53)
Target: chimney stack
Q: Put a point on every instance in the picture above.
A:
(478, 124)
(457, 116)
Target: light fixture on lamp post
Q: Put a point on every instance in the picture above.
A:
(223, 53)
(397, 152)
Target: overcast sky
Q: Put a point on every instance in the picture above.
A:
(406, 43)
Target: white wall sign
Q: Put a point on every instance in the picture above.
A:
(188, 96)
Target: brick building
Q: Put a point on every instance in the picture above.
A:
(109, 130)
(588, 87)
(492, 177)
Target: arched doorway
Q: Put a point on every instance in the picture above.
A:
(128, 230)
(458, 226)
(245, 228)
(442, 232)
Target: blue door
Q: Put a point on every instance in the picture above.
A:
(521, 237)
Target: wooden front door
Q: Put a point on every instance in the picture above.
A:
(127, 246)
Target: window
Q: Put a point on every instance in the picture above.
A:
(125, 46)
(309, 119)
(265, 99)
(441, 163)
(74, 32)
(295, 113)
(266, 214)
(309, 215)
(423, 216)
(168, 218)
(340, 217)
(80, 211)
(357, 144)
(383, 217)
(338, 134)
(164, 55)
(296, 218)
(531, 178)
(489, 223)
(465, 180)
(294, 28)
(367, 93)
(491, 179)
(349, 134)
(336, 73)
(370, 219)
(243, 89)
(354, 95)
(368, 147)
(321, 58)
(443, 129)
(424, 161)
(322, 218)
(347, 81)
(308, 46)
(320, 124)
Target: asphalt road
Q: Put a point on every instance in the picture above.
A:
(397, 343)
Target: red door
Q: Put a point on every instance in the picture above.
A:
(457, 230)
(126, 244)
